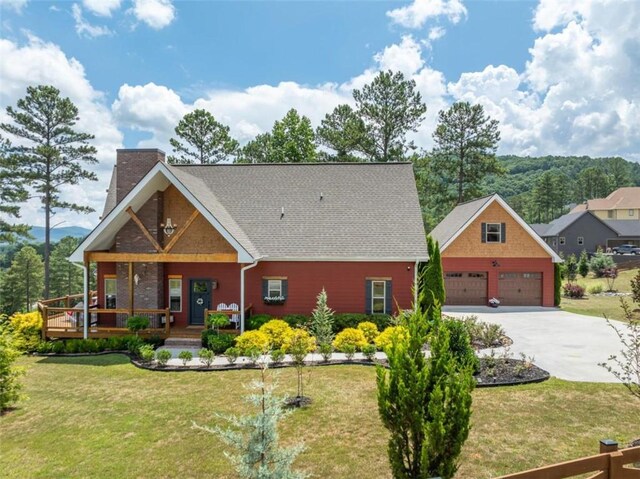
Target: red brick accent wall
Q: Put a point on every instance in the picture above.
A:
(521, 265)
(131, 166)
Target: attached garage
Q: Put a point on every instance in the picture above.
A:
(520, 289)
(466, 288)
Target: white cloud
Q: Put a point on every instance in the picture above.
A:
(103, 8)
(405, 57)
(435, 33)
(155, 13)
(420, 11)
(38, 62)
(15, 5)
(84, 28)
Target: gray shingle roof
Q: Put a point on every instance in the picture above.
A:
(457, 218)
(366, 211)
(540, 228)
(624, 227)
(558, 225)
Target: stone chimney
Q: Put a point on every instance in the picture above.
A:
(132, 165)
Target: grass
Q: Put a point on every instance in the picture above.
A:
(100, 417)
(608, 306)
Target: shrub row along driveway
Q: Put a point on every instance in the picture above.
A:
(568, 345)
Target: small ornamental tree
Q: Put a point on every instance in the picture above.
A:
(254, 438)
(610, 275)
(583, 264)
(625, 367)
(600, 262)
(322, 320)
(572, 267)
(635, 288)
(298, 344)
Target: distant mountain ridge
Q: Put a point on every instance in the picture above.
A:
(58, 233)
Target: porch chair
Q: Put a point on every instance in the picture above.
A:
(222, 307)
(235, 318)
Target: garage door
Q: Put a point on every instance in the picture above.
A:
(466, 288)
(520, 289)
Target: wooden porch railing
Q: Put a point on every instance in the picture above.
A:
(68, 322)
(609, 464)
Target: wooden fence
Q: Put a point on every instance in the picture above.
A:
(609, 464)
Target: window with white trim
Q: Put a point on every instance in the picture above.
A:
(580, 240)
(175, 295)
(378, 297)
(562, 240)
(110, 293)
(274, 288)
(494, 233)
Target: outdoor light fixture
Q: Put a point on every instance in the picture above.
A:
(136, 279)
(495, 263)
(169, 228)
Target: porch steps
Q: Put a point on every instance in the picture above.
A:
(183, 343)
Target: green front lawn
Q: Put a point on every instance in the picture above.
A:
(102, 417)
(608, 306)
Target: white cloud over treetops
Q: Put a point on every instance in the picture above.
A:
(578, 93)
(155, 13)
(419, 12)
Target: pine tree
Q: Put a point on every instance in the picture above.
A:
(22, 283)
(54, 153)
(255, 439)
(431, 279)
(322, 320)
(12, 193)
(583, 264)
(66, 277)
(343, 132)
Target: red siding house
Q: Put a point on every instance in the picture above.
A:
(179, 240)
(488, 251)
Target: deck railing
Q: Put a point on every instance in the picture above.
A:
(609, 464)
(231, 313)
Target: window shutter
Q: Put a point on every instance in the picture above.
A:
(388, 297)
(265, 288)
(503, 231)
(483, 230)
(367, 296)
(285, 288)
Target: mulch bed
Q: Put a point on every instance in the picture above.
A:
(508, 372)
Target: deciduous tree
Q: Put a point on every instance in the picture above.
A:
(53, 154)
(391, 108)
(293, 140)
(466, 141)
(202, 139)
(258, 150)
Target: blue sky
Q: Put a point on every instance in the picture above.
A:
(560, 76)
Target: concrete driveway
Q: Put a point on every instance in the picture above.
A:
(568, 345)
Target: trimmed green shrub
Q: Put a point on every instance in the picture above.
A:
(583, 264)
(9, 374)
(136, 324)
(343, 321)
(349, 350)
(350, 337)
(557, 284)
(58, 347)
(146, 353)
(133, 344)
(258, 320)
(369, 351)
(460, 344)
(325, 351)
(595, 289)
(217, 321)
(232, 355)
(277, 355)
(163, 356)
(185, 357)
(599, 263)
(206, 356)
(218, 343)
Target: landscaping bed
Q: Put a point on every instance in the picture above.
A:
(508, 372)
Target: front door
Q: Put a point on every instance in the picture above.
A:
(200, 300)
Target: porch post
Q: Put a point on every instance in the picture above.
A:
(85, 296)
(130, 288)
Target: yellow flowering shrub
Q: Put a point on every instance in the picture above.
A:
(370, 330)
(26, 329)
(299, 340)
(385, 338)
(350, 336)
(252, 340)
(277, 331)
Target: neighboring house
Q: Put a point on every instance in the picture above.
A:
(264, 238)
(584, 230)
(489, 251)
(622, 204)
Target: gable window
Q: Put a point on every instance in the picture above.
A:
(175, 294)
(630, 212)
(580, 240)
(562, 241)
(494, 233)
(110, 292)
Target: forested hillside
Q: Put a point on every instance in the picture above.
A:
(541, 188)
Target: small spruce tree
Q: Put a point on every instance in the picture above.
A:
(583, 264)
(572, 267)
(322, 320)
(430, 274)
(255, 439)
